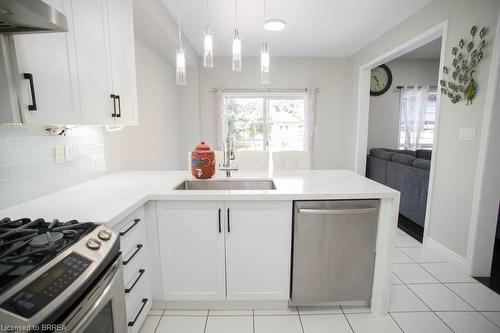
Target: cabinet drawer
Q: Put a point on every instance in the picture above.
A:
(140, 260)
(132, 231)
(138, 303)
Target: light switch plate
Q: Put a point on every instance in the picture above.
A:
(467, 134)
(69, 153)
(59, 154)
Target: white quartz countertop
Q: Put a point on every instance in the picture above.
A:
(111, 198)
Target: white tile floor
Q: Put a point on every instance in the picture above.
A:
(428, 295)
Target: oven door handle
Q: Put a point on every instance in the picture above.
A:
(101, 301)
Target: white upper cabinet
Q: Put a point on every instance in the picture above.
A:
(94, 61)
(85, 75)
(121, 33)
(258, 250)
(192, 250)
(48, 74)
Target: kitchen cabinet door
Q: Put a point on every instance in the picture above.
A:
(258, 249)
(50, 59)
(191, 250)
(121, 35)
(91, 29)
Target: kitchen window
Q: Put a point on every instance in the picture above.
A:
(266, 121)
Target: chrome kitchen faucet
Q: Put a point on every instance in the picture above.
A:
(229, 155)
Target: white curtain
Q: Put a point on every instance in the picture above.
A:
(309, 122)
(221, 122)
(413, 108)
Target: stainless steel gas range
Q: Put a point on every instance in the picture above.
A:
(60, 276)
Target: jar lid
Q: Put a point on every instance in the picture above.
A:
(203, 146)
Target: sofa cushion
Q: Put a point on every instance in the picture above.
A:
(402, 151)
(424, 153)
(403, 159)
(422, 163)
(381, 153)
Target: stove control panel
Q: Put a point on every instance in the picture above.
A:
(47, 286)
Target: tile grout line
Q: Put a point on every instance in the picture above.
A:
(300, 319)
(390, 315)
(206, 321)
(347, 319)
(423, 300)
(439, 282)
(158, 323)
(253, 320)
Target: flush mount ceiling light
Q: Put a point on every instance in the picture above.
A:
(274, 25)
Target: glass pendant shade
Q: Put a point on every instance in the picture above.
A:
(236, 51)
(208, 49)
(180, 67)
(264, 64)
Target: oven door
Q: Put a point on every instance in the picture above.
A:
(103, 307)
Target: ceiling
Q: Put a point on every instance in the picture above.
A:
(315, 28)
(430, 50)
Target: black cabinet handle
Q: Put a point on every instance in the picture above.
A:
(119, 106)
(128, 290)
(220, 225)
(139, 247)
(132, 323)
(228, 221)
(123, 233)
(114, 114)
(29, 76)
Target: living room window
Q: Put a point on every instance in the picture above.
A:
(266, 121)
(417, 119)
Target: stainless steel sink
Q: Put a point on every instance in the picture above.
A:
(226, 185)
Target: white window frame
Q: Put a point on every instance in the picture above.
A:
(266, 97)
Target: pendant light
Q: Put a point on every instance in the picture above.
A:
(236, 43)
(264, 58)
(180, 57)
(264, 64)
(208, 48)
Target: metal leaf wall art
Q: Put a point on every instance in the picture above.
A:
(458, 79)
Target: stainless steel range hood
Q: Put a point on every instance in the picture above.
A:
(30, 16)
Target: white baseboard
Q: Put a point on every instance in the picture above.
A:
(457, 260)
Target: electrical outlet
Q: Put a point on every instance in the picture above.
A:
(59, 154)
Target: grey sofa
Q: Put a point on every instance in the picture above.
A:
(406, 171)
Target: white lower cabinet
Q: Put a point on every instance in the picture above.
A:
(258, 243)
(216, 250)
(192, 250)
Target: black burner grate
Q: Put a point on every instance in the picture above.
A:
(26, 244)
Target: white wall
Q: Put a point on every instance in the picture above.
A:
(27, 165)
(455, 161)
(331, 75)
(384, 110)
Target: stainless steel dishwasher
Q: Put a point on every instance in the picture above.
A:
(333, 251)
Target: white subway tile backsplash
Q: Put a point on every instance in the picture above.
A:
(4, 173)
(27, 162)
(15, 157)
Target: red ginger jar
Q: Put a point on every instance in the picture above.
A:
(202, 161)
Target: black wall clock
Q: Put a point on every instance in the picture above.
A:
(381, 80)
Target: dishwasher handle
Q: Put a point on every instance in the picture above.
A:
(338, 211)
